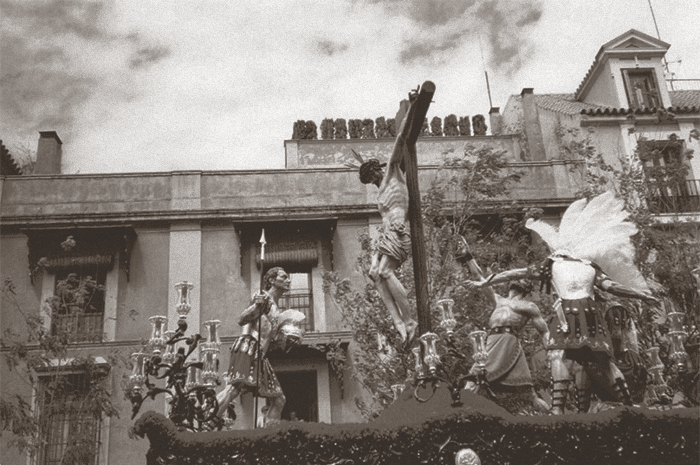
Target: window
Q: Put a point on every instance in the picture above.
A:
(304, 250)
(300, 297)
(102, 253)
(78, 304)
(70, 422)
(642, 91)
(666, 172)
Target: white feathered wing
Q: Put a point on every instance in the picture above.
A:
(596, 231)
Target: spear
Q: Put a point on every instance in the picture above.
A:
(259, 354)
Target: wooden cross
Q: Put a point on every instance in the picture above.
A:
(414, 123)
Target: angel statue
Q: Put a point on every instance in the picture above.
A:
(394, 245)
(591, 252)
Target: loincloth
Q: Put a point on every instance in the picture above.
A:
(506, 363)
(243, 368)
(395, 242)
(587, 337)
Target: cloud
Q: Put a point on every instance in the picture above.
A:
(504, 24)
(56, 56)
(428, 12)
(425, 51)
(148, 55)
(49, 18)
(446, 25)
(122, 77)
(40, 85)
(329, 47)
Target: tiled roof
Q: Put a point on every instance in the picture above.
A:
(8, 166)
(683, 101)
(685, 98)
(563, 103)
(609, 111)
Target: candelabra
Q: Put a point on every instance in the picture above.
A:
(189, 385)
(657, 390)
(432, 369)
(677, 336)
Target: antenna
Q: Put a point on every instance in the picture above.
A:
(483, 64)
(658, 35)
(488, 88)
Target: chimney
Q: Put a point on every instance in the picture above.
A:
(49, 153)
(495, 121)
(533, 132)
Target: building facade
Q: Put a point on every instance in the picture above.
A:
(630, 110)
(140, 234)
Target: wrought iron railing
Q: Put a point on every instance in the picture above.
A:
(302, 302)
(71, 430)
(682, 198)
(683, 84)
(80, 327)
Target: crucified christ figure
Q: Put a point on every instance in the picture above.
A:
(395, 243)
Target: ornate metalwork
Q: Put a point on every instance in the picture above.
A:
(183, 306)
(657, 390)
(448, 322)
(189, 385)
(157, 340)
(677, 336)
(433, 369)
(467, 457)
(397, 390)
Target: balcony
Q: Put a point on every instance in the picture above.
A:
(683, 198)
(303, 302)
(80, 327)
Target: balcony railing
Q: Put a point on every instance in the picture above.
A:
(80, 327)
(684, 198)
(683, 84)
(303, 302)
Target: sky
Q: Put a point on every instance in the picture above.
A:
(151, 85)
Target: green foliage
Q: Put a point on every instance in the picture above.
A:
(337, 358)
(74, 295)
(327, 129)
(479, 125)
(381, 128)
(465, 128)
(436, 126)
(391, 127)
(451, 126)
(355, 128)
(42, 358)
(368, 129)
(666, 251)
(620, 436)
(340, 129)
(468, 198)
(305, 130)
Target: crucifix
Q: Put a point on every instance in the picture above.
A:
(398, 202)
(411, 129)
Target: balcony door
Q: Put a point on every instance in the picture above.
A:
(301, 391)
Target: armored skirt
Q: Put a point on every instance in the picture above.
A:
(243, 368)
(506, 363)
(586, 337)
